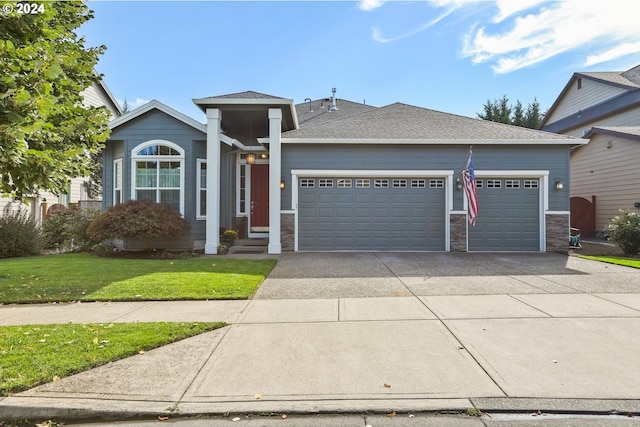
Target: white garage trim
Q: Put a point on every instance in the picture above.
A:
(447, 174)
(542, 175)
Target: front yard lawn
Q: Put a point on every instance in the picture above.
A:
(74, 277)
(627, 262)
(31, 355)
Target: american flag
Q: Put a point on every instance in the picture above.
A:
(469, 181)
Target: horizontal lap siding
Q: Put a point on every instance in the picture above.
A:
(610, 174)
(591, 93)
(554, 158)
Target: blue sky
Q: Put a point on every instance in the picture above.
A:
(447, 55)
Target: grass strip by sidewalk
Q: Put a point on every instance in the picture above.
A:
(31, 355)
(85, 277)
(625, 261)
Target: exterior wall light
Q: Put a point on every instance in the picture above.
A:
(458, 184)
(282, 184)
(250, 158)
(559, 185)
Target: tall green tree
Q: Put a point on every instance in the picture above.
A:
(517, 116)
(500, 110)
(46, 135)
(533, 117)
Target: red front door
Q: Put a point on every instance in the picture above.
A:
(259, 196)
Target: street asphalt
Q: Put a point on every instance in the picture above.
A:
(376, 333)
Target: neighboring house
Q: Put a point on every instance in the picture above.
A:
(603, 107)
(96, 95)
(335, 175)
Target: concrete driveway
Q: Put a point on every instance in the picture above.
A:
(382, 332)
(349, 275)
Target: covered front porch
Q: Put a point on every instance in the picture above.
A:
(245, 117)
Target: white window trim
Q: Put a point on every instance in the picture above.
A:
(136, 158)
(247, 177)
(199, 188)
(117, 163)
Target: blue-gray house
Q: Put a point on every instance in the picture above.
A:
(335, 175)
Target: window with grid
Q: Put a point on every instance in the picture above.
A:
(307, 183)
(494, 183)
(380, 183)
(363, 183)
(530, 183)
(512, 183)
(436, 183)
(157, 173)
(399, 183)
(344, 183)
(325, 183)
(418, 183)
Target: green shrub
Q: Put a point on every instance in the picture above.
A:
(624, 230)
(68, 229)
(19, 234)
(138, 219)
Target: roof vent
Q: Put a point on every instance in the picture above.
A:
(334, 107)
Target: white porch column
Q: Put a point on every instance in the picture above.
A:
(275, 160)
(214, 117)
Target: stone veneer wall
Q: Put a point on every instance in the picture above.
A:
(287, 231)
(458, 232)
(557, 232)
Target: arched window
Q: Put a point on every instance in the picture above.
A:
(158, 173)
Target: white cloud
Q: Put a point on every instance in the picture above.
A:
(551, 29)
(522, 33)
(619, 51)
(370, 4)
(508, 8)
(379, 37)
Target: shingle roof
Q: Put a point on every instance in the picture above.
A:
(632, 132)
(246, 95)
(402, 121)
(321, 111)
(614, 77)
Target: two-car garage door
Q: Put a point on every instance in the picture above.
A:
(408, 214)
(369, 213)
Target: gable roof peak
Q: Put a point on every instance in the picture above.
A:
(249, 94)
(157, 105)
(632, 74)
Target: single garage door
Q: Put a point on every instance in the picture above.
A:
(509, 217)
(382, 214)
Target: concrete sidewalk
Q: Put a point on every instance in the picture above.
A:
(571, 351)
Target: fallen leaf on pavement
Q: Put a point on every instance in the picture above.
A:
(387, 385)
(161, 418)
(257, 396)
(391, 414)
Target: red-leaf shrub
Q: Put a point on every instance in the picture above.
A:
(138, 219)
